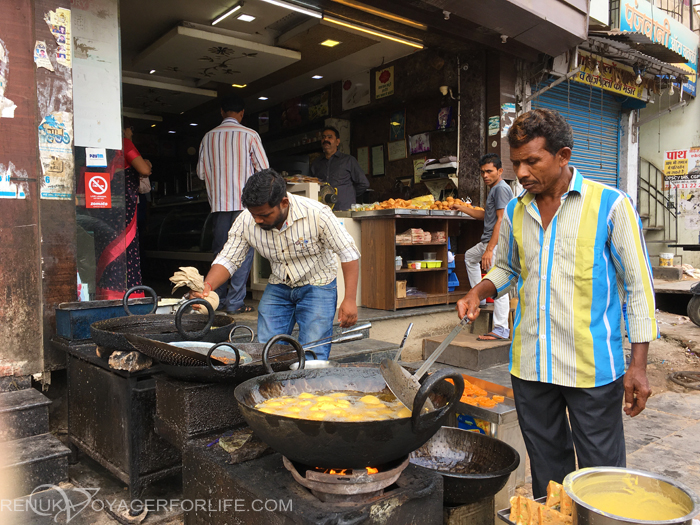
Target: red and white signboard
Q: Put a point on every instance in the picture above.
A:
(97, 192)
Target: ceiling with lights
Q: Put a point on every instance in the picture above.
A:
(177, 54)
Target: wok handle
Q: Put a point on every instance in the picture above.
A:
(417, 423)
(150, 291)
(233, 331)
(211, 351)
(194, 336)
(286, 338)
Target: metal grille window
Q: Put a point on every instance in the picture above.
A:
(595, 118)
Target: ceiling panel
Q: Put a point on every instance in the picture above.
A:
(159, 101)
(190, 52)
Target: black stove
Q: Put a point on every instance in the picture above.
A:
(264, 491)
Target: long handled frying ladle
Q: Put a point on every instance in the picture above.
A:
(404, 385)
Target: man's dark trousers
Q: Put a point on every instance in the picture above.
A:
(595, 416)
(231, 294)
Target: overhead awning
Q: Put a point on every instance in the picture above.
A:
(623, 52)
(643, 44)
(549, 26)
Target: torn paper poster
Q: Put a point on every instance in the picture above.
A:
(41, 57)
(7, 107)
(55, 135)
(56, 155)
(11, 185)
(59, 25)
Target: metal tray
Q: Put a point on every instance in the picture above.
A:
(501, 413)
(448, 213)
(504, 514)
(390, 213)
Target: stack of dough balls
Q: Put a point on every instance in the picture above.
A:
(190, 277)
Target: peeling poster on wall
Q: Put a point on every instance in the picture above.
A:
(59, 25)
(41, 57)
(10, 177)
(7, 107)
(56, 155)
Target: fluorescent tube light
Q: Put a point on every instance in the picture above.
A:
(294, 7)
(400, 40)
(226, 14)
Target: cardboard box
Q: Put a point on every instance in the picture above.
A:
(400, 289)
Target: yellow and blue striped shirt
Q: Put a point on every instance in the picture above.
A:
(572, 280)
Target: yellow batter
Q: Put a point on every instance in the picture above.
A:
(336, 406)
(624, 497)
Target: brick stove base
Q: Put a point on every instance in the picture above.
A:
(262, 491)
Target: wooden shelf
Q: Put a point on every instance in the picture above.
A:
(409, 301)
(423, 244)
(412, 270)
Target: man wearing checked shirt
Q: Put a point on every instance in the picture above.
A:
(301, 238)
(575, 251)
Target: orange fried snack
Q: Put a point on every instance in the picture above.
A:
(498, 399)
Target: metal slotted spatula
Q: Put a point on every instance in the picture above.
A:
(404, 385)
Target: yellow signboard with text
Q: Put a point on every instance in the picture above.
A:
(610, 75)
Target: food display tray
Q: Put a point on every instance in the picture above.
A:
(504, 514)
(501, 413)
(390, 213)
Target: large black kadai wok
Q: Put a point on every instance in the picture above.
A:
(168, 328)
(331, 444)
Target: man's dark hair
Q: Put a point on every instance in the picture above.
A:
(232, 103)
(331, 128)
(491, 158)
(264, 187)
(545, 123)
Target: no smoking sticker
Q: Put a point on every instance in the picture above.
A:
(97, 193)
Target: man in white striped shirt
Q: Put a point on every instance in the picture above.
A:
(301, 238)
(228, 156)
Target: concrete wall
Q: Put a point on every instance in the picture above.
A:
(679, 129)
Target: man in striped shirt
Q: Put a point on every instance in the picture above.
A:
(575, 251)
(301, 238)
(228, 156)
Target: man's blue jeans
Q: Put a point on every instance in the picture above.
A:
(313, 307)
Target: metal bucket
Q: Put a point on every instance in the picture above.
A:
(608, 479)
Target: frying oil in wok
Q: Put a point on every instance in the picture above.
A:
(336, 406)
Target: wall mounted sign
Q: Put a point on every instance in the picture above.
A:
(356, 91)
(419, 143)
(679, 163)
(97, 191)
(494, 125)
(611, 76)
(96, 157)
(56, 155)
(397, 125)
(661, 28)
(384, 82)
(363, 159)
(396, 150)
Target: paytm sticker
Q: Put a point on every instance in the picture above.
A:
(96, 157)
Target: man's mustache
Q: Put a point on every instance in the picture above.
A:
(326, 142)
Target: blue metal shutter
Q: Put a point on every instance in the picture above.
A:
(596, 129)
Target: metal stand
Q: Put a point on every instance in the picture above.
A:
(111, 419)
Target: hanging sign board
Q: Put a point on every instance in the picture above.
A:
(97, 191)
(611, 75)
(661, 28)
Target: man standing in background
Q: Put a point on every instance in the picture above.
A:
(480, 257)
(228, 156)
(339, 170)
